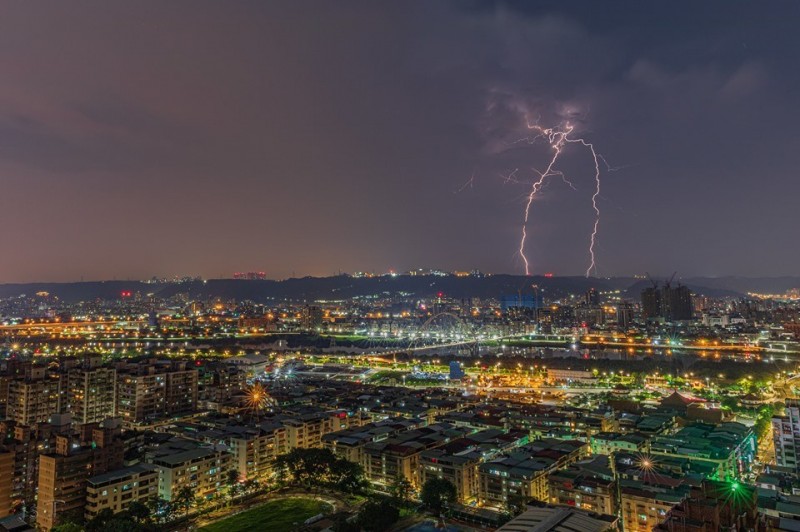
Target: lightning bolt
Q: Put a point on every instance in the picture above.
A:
(558, 138)
(468, 184)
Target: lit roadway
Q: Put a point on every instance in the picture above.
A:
(550, 338)
(69, 324)
(123, 329)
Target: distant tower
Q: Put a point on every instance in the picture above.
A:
(592, 297)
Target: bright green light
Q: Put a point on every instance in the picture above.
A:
(734, 486)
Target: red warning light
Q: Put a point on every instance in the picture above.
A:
(440, 295)
(126, 293)
(548, 274)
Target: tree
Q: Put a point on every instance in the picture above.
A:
(201, 503)
(378, 515)
(139, 512)
(98, 523)
(161, 509)
(252, 484)
(401, 490)
(232, 480)
(184, 499)
(67, 527)
(516, 504)
(437, 492)
(311, 468)
(74, 516)
(346, 476)
(342, 523)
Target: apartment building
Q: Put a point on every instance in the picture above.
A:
(188, 464)
(63, 474)
(91, 394)
(523, 472)
(149, 392)
(117, 489)
(33, 399)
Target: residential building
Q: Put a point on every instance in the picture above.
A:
(117, 489)
(306, 430)
(188, 464)
(584, 488)
(522, 473)
(714, 506)
(91, 394)
(786, 435)
(723, 452)
(149, 392)
(253, 449)
(34, 399)
(63, 474)
(551, 518)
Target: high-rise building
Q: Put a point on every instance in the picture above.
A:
(651, 303)
(63, 475)
(91, 394)
(624, 315)
(6, 481)
(677, 303)
(311, 318)
(592, 297)
(148, 392)
(33, 399)
(26, 450)
(786, 435)
(667, 303)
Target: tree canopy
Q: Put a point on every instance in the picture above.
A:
(320, 467)
(437, 492)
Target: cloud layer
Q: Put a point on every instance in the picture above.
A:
(311, 137)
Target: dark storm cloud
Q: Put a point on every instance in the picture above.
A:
(308, 137)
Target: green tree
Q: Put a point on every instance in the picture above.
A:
(346, 476)
(437, 492)
(311, 468)
(67, 527)
(232, 481)
(184, 499)
(378, 515)
(202, 504)
(160, 509)
(401, 489)
(516, 504)
(139, 512)
(342, 523)
(98, 523)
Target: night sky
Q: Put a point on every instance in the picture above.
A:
(305, 138)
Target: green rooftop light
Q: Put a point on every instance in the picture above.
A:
(734, 486)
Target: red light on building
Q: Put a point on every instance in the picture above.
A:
(548, 274)
(126, 293)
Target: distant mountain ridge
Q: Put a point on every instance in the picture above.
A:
(346, 287)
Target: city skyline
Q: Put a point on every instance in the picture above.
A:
(204, 139)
